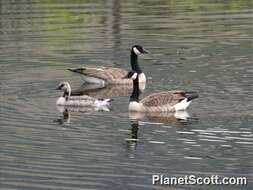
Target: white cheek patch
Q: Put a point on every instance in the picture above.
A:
(136, 51)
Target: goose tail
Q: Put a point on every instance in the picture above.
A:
(192, 97)
(183, 105)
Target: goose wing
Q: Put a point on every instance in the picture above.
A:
(104, 73)
(82, 98)
(162, 98)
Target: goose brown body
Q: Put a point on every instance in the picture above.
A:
(112, 75)
(165, 101)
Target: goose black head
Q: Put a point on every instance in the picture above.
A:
(137, 49)
(64, 86)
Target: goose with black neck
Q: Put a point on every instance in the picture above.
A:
(164, 101)
(67, 99)
(113, 75)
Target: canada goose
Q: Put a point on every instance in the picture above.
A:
(112, 75)
(165, 101)
(69, 100)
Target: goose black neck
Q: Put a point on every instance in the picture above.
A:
(134, 63)
(65, 95)
(136, 92)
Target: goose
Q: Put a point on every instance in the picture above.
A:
(78, 101)
(165, 101)
(112, 75)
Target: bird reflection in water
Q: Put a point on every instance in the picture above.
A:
(65, 119)
(132, 141)
(67, 110)
(177, 119)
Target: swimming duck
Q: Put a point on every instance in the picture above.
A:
(165, 101)
(69, 100)
(112, 75)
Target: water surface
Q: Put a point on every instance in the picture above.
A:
(199, 46)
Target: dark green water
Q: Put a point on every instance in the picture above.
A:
(198, 45)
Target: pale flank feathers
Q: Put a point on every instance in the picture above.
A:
(76, 101)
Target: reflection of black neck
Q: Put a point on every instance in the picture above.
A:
(136, 92)
(134, 63)
(134, 130)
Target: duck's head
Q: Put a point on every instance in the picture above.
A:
(65, 87)
(137, 49)
(131, 75)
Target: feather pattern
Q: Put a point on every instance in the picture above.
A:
(112, 75)
(69, 100)
(166, 101)
(109, 75)
(104, 73)
(162, 98)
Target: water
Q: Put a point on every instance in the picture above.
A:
(202, 46)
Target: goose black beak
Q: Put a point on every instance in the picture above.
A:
(57, 88)
(144, 51)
